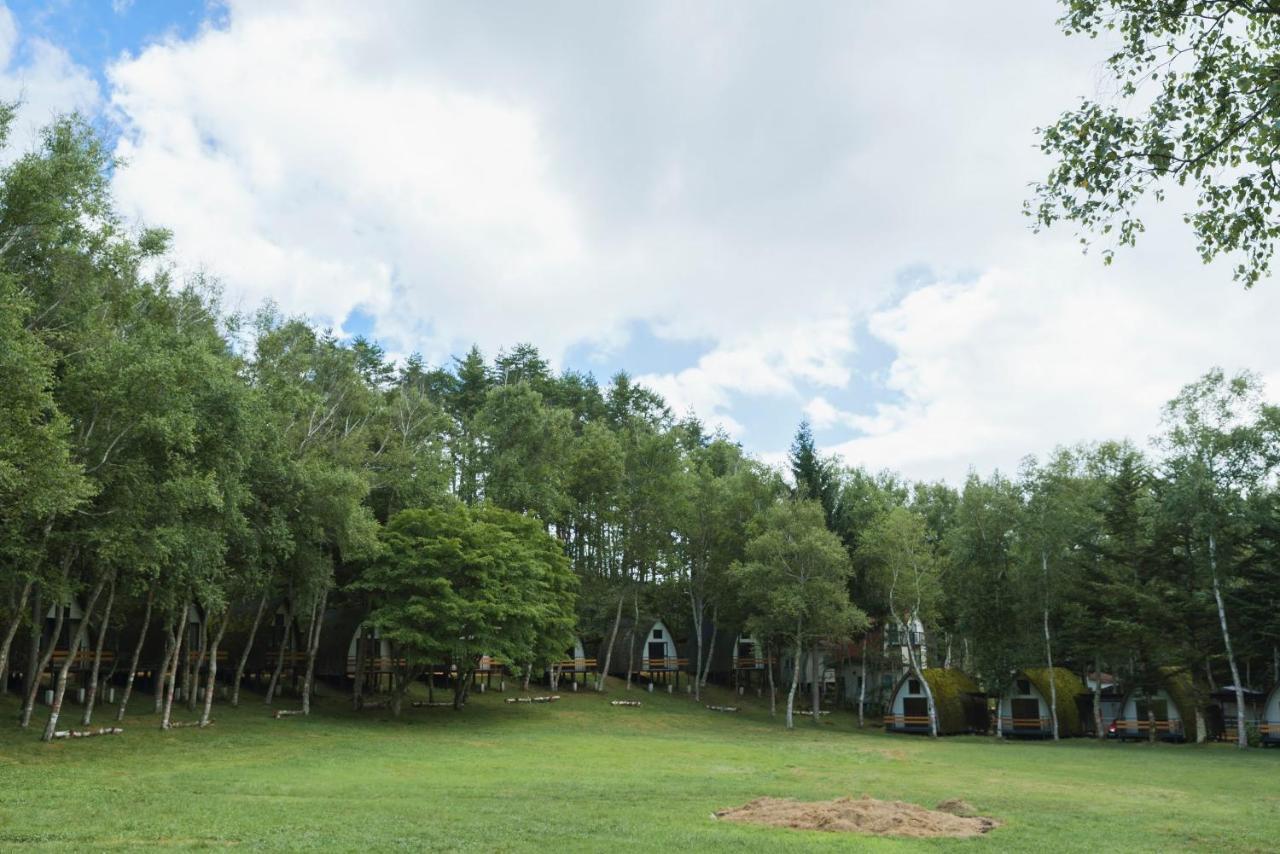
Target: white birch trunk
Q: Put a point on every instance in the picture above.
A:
(10, 633)
(284, 646)
(60, 687)
(862, 686)
(172, 681)
(608, 652)
(92, 696)
(313, 647)
(1242, 737)
(42, 661)
(133, 662)
(248, 648)
(795, 680)
(211, 681)
(1048, 650)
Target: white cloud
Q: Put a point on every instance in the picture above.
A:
(1052, 351)
(769, 363)
(43, 77)
(736, 174)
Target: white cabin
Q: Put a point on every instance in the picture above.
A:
(1133, 722)
(1023, 710)
(660, 649)
(377, 651)
(747, 654)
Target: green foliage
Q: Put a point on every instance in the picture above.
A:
(456, 583)
(1198, 106)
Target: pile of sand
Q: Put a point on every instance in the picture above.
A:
(864, 815)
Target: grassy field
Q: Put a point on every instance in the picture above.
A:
(583, 775)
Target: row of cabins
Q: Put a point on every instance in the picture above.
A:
(1021, 709)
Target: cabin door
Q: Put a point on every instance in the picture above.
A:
(916, 707)
(657, 653)
(1026, 713)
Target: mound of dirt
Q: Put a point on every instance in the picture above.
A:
(864, 815)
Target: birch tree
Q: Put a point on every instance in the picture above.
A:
(795, 580)
(909, 571)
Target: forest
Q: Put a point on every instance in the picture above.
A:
(159, 453)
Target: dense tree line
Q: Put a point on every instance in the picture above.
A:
(159, 454)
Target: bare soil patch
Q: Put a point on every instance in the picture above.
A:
(864, 815)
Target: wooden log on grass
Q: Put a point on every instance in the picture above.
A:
(88, 733)
(286, 713)
(550, 699)
(624, 702)
(182, 724)
(723, 708)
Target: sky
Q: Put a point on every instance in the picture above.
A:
(766, 212)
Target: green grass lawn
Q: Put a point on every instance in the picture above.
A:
(583, 775)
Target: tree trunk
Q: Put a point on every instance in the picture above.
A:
(284, 646)
(45, 655)
(773, 688)
(35, 636)
(1098, 724)
(631, 642)
(862, 685)
(248, 647)
(161, 675)
(924, 683)
(697, 664)
(1048, 650)
(357, 686)
(177, 659)
(211, 681)
(711, 649)
(608, 652)
(60, 687)
(10, 633)
(1242, 737)
(313, 647)
(815, 690)
(193, 679)
(795, 681)
(92, 696)
(137, 653)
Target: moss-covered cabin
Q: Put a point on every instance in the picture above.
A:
(1170, 702)
(960, 704)
(1024, 707)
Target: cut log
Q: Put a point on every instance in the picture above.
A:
(286, 713)
(197, 724)
(723, 708)
(624, 702)
(551, 699)
(88, 733)
(427, 704)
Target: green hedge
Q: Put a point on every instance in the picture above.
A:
(1069, 687)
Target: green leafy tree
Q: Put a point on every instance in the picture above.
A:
(1196, 106)
(910, 572)
(455, 584)
(796, 579)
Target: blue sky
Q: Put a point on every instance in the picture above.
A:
(764, 212)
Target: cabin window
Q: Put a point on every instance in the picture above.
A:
(913, 686)
(1024, 686)
(657, 634)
